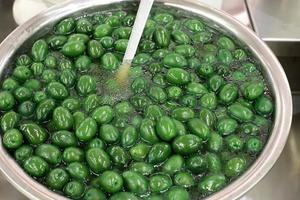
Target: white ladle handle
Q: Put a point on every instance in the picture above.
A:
(137, 29)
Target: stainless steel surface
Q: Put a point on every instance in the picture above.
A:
(283, 181)
(276, 19)
(271, 67)
(277, 22)
(238, 9)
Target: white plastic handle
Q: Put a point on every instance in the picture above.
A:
(137, 30)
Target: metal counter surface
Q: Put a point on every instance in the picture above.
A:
(276, 19)
(277, 23)
(283, 181)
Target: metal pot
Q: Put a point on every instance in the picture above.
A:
(274, 74)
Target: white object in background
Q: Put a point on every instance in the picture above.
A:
(26, 9)
(23, 10)
(137, 29)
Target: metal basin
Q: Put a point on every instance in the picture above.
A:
(274, 74)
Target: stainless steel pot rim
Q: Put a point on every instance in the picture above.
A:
(272, 68)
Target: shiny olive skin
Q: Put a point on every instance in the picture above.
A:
(228, 93)
(215, 142)
(235, 166)
(186, 144)
(23, 59)
(184, 179)
(109, 133)
(34, 133)
(109, 61)
(197, 164)
(139, 151)
(45, 109)
(22, 94)
(189, 101)
(71, 104)
(234, 143)
(199, 128)
(10, 84)
(98, 160)
(124, 195)
(157, 94)
(129, 137)
(148, 131)
(63, 139)
(183, 114)
(84, 26)
(39, 50)
(159, 183)
(36, 166)
(94, 194)
(166, 129)
(65, 26)
(161, 37)
(62, 119)
(227, 126)
(7, 100)
(214, 164)
(174, 60)
(208, 117)
(194, 25)
(177, 76)
(254, 145)
(68, 77)
(57, 90)
(83, 63)
(74, 189)
(103, 114)
(264, 106)
(86, 85)
(23, 152)
(91, 102)
(135, 182)
(253, 90)
(174, 92)
(33, 84)
(139, 85)
(212, 183)
(21, 73)
(111, 181)
(196, 89)
(72, 154)
(73, 48)
(154, 112)
(49, 153)
(78, 171)
(194, 113)
(39, 96)
(176, 193)
(57, 178)
(142, 167)
(159, 153)
(173, 164)
(9, 120)
(86, 130)
(240, 112)
(120, 156)
(12, 139)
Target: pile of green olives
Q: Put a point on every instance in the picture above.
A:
(197, 110)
